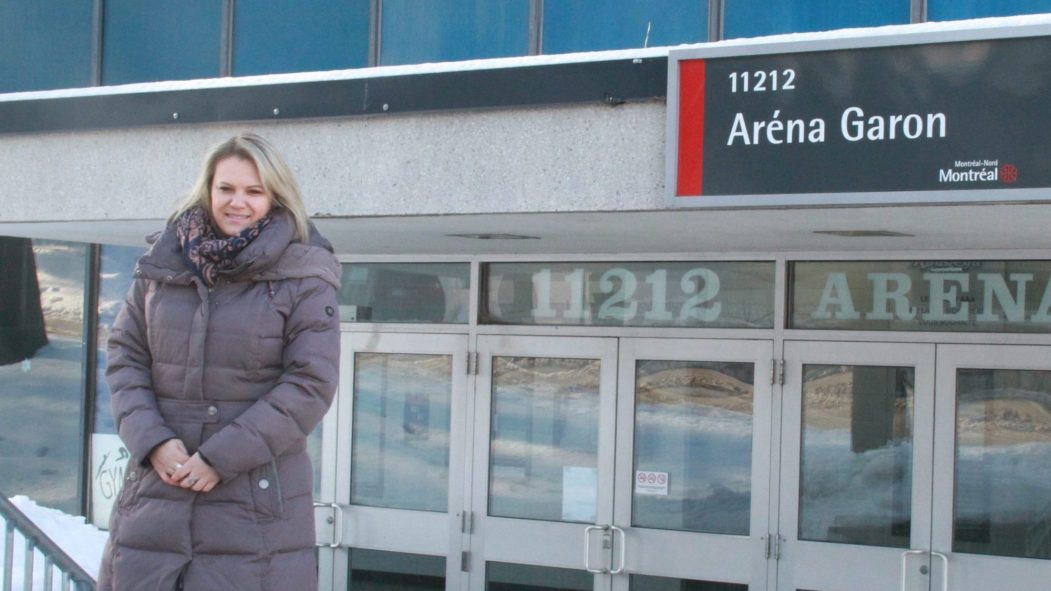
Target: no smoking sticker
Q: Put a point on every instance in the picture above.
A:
(651, 483)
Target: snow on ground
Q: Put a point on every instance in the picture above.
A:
(82, 541)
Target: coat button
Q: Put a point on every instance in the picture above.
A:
(169, 277)
(264, 484)
(212, 411)
(132, 475)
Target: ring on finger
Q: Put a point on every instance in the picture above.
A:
(191, 481)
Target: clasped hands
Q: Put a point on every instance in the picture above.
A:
(177, 468)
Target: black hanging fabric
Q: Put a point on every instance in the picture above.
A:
(22, 330)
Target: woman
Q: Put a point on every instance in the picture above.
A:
(222, 361)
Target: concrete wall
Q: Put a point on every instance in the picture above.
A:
(560, 158)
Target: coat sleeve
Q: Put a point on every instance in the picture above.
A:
(289, 412)
(130, 378)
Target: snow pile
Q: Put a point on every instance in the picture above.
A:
(81, 541)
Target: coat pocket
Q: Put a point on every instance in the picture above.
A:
(266, 490)
(134, 473)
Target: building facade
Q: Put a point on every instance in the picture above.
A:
(705, 295)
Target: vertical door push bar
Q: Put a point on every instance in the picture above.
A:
(615, 531)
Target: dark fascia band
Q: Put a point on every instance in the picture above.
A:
(612, 82)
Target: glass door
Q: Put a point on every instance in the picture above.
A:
(542, 504)
(992, 489)
(856, 467)
(693, 464)
(400, 432)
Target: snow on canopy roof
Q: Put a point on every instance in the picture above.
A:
(527, 61)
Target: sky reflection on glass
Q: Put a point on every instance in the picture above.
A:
(855, 482)
(693, 421)
(1003, 463)
(400, 456)
(544, 438)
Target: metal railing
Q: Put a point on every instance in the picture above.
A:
(73, 577)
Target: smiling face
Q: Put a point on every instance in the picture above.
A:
(239, 198)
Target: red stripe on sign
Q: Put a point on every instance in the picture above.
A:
(691, 128)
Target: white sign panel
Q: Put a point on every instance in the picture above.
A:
(579, 493)
(109, 457)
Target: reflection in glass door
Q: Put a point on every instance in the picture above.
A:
(992, 524)
(401, 453)
(690, 423)
(856, 445)
(693, 466)
(543, 462)
(661, 464)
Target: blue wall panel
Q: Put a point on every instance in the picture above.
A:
(448, 30)
(945, 10)
(300, 35)
(44, 44)
(592, 25)
(149, 40)
(754, 18)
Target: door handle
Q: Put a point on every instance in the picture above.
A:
(623, 552)
(336, 519)
(904, 563)
(945, 570)
(587, 549)
(945, 563)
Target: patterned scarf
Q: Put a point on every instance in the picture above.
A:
(204, 252)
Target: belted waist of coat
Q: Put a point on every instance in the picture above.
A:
(201, 411)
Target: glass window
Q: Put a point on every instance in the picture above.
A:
(400, 456)
(149, 40)
(544, 439)
(693, 446)
(855, 477)
(502, 576)
(372, 570)
(944, 10)
(108, 454)
(116, 264)
(957, 296)
(591, 25)
(413, 32)
(648, 583)
(315, 451)
(720, 294)
(1003, 463)
(295, 36)
(42, 370)
(46, 44)
(405, 292)
(755, 18)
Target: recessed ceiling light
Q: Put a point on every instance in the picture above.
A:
(494, 236)
(864, 233)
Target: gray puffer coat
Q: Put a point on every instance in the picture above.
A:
(242, 372)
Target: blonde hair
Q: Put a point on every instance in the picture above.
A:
(273, 172)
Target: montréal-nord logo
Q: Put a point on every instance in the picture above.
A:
(979, 171)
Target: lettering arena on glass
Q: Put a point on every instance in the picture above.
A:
(997, 298)
(982, 296)
(832, 125)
